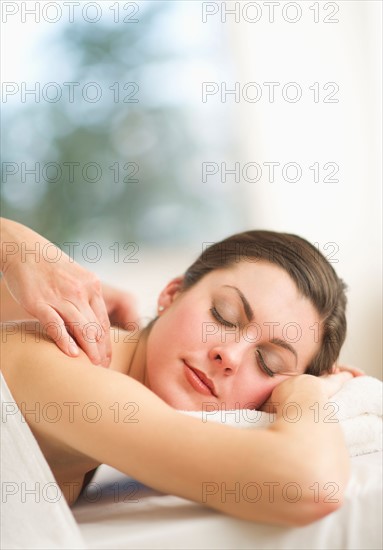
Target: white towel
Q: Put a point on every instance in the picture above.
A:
(357, 406)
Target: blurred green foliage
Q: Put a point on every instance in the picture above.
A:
(155, 140)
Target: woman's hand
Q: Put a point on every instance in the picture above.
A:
(65, 297)
(325, 386)
(354, 370)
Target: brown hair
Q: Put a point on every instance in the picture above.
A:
(313, 275)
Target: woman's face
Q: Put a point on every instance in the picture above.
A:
(230, 339)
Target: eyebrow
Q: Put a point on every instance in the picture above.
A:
(250, 316)
(246, 306)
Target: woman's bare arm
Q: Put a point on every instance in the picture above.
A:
(250, 474)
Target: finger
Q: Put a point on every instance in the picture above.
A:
(83, 328)
(88, 331)
(54, 327)
(354, 370)
(343, 376)
(99, 309)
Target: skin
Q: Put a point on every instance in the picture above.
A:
(149, 374)
(224, 344)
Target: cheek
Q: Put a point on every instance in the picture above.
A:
(258, 389)
(182, 326)
(173, 333)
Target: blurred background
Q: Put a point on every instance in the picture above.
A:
(135, 132)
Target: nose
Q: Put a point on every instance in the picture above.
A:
(227, 358)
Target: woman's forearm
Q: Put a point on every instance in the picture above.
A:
(306, 418)
(291, 474)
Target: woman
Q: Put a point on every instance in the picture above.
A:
(257, 321)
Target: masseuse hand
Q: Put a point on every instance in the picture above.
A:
(62, 295)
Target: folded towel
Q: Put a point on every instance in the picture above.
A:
(360, 395)
(357, 406)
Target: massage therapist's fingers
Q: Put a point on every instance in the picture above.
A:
(105, 346)
(66, 333)
(93, 334)
(81, 325)
(94, 337)
(65, 318)
(54, 327)
(87, 331)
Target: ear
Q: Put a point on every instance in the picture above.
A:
(170, 293)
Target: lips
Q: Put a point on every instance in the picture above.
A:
(199, 380)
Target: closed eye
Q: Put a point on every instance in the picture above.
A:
(263, 365)
(220, 319)
(260, 360)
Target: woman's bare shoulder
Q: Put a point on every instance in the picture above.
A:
(26, 343)
(29, 354)
(26, 348)
(38, 372)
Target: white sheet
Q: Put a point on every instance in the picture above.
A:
(158, 521)
(33, 515)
